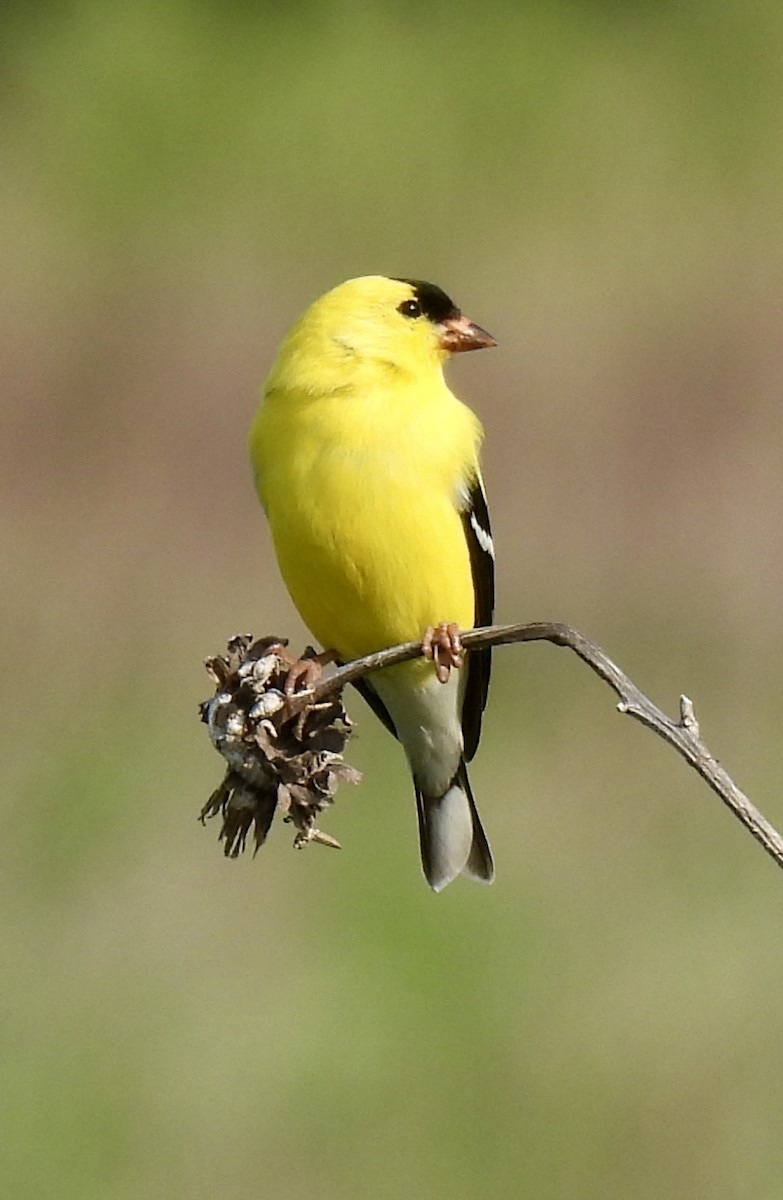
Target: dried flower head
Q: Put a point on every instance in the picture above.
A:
(279, 755)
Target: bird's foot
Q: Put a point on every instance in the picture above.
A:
(442, 645)
(304, 673)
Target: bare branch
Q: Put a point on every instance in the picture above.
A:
(683, 734)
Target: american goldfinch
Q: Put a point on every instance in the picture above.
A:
(367, 467)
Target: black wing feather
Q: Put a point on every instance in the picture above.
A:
(475, 520)
(368, 692)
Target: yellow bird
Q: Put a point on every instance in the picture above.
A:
(367, 467)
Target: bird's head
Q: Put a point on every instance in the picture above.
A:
(375, 324)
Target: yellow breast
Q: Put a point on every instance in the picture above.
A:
(362, 494)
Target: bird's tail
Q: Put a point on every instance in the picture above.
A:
(451, 835)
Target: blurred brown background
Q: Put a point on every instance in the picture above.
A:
(599, 184)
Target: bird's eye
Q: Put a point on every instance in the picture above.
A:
(410, 308)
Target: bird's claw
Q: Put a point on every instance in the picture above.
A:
(442, 645)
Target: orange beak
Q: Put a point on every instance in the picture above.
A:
(458, 334)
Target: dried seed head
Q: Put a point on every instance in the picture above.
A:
(267, 704)
(276, 759)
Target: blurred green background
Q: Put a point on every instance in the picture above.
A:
(599, 184)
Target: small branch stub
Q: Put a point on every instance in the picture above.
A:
(277, 759)
(688, 717)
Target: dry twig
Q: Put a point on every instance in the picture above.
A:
(683, 734)
(246, 735)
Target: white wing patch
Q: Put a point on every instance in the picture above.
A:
(483, 536)
(464, 504)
